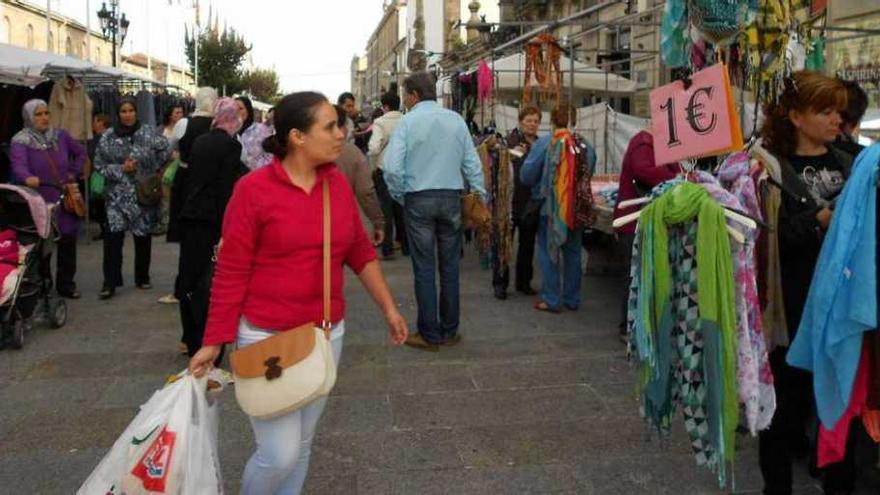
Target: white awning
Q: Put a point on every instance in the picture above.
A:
(510, 73)
(26, 67)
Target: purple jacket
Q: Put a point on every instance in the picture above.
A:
(69, 157)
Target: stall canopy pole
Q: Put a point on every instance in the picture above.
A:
(48, 27)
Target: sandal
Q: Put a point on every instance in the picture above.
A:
(542, 306)
(107, 293)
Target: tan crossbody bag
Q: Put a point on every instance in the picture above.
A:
(287, 371)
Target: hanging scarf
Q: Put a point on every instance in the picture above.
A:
(558, 186)
(121, 130)
(716, 302)
(30, 136)
(226, 116)
(485, 81)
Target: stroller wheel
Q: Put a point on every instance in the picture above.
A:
(17, 334)
(57, 312)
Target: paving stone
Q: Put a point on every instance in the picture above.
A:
(506, 407)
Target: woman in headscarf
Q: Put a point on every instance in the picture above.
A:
(129, 154)
(214, 168)
(199, 123)
(251, 135)
(46, 159)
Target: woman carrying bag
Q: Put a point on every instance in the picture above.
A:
(50, 161)
(130, 157)
(288, 230)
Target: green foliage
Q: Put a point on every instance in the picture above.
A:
(220, 59)
(262, 84)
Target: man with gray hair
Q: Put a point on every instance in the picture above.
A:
(429, 156)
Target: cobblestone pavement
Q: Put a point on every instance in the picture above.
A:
(527, 403)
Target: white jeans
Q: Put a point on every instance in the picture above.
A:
(284, 444)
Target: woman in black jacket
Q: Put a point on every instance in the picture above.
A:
(214, 167)
(798, 131)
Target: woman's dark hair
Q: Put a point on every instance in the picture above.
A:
(341, 116)
(166, 119)
(563, 115)
(294, 111)
(391, 100)
(856, 104)
(376, 114)
(344, 97)
(249, 106)
(805, 91)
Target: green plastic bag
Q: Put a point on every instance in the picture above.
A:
(96, 184)
(170, 172)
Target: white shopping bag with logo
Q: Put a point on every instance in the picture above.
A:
(169, 448)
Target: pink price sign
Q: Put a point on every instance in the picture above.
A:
(695, 122)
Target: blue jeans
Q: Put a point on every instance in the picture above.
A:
(570, 271)
(433, 225)
(284, 444)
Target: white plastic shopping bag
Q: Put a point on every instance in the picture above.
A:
(169, 448)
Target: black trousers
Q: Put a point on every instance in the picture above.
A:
(197, 241)
(525, 222)
(113, 244)
(626, 244)
(66, 267)
(781, 442)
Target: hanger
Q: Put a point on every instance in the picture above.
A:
(733, 215)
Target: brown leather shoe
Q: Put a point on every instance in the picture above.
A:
(417, 341)
(451, 341)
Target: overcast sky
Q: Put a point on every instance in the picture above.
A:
(310, 43)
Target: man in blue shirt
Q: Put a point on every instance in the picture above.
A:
(430, 155)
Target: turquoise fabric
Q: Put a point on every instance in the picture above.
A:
(842, 302)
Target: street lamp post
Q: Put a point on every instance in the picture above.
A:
(113, 26)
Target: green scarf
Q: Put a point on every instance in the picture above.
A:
(714, 278)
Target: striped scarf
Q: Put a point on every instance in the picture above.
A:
(558, 186)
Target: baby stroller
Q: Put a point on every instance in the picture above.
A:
(27, 241)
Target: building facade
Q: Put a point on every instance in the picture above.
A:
(385, 53)
(855, 55)
(26, 25)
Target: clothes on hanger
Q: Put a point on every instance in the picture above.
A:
(683, 319)
(70, 108)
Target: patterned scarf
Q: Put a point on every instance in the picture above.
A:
(226, 116)
(558, 186)
(716, 303)
(31, 137)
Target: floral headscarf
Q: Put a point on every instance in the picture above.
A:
(226, 116)
(31, 137)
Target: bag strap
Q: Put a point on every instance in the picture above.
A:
(325, 324)
(54, 168)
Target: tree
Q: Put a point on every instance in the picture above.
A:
(220, 58)
(262, 84)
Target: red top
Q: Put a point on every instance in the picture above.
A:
(270, 265)
(638, 165)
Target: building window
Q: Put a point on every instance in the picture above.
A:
(30, 36)
(68, 47)
(7, 28)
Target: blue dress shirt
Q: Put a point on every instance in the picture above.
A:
(431, 149)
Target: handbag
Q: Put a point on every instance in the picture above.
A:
(149, 190)
(96, 184)
(71, 198)
(289, 370)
